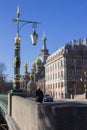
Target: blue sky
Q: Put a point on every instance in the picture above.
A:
(62, 20)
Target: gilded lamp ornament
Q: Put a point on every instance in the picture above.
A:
(17, 40)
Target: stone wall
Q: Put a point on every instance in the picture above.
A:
(29, 115)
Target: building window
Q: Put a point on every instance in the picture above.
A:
(55, 66)
(61, 94)
(58, 64)
(61, 84)
(85, 62)
(50, 77)
(58, 85)
(56, 94)
(53, 85)
(50, 68)
(78, 62)
(61, 63)
(69, 73)
(58, 74)
(55, 75)
(61, 73)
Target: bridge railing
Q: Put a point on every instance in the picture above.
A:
(4, 104)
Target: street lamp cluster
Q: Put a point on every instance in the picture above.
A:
(17, 61)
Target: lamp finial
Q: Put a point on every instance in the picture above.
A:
(18, 11)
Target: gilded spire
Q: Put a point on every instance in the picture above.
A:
(26, 67)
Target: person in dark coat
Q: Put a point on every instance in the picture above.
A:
(39, 95)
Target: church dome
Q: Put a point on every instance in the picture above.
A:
(33, 64)
(38, 61)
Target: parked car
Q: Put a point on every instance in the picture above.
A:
(47, 98)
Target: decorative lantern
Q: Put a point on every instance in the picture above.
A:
(34, 37)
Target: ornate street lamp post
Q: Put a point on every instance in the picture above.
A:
(17, 60)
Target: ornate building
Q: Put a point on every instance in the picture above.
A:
(66, 71)
(24, 78)
(37, 70)
(44, 52)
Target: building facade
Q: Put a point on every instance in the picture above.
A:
(66, 71)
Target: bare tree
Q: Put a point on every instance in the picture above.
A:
(2, 69)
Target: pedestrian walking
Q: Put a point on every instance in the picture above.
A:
(39, 95)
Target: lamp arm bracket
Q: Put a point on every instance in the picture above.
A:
(24, 23)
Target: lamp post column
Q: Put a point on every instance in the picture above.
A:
(17, 63)
(16, 85)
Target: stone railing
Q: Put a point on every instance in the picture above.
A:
(26, 114)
